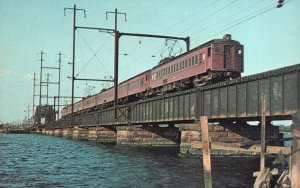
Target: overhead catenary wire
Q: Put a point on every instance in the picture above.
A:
(210, 15)
(232, 15)
(99, 49)
(215, 12)
(189, 16)
(244, 19)
(94, 54)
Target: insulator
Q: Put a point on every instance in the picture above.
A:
(279, 5)
(280, 1)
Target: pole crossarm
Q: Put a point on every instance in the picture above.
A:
(96, 28)
(115, 13)
(50, 67)
(44, 96)
(100, 80)
(75, 10)
(49, 83)
(185, 39)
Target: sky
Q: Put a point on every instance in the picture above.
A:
(270, 37)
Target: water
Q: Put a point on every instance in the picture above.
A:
(47, 161)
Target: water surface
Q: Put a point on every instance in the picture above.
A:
(48, 161)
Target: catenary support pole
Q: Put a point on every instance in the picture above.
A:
(40, 96)
(33, 95)
(58, 92)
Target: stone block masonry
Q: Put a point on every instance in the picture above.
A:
(147, 136)
(228, 134)
(80, 133)
(68, 132)
(103, 134)
(182, 136)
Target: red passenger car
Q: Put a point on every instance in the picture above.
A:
(216, 60)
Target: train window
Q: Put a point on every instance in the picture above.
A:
(193, 60)
(227, 49)
(200, 58)
(217, 49)
(208, 51)
(239, 51)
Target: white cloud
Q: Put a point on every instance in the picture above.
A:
(27, 76)
(5, 72)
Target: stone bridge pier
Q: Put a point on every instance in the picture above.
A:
(227, 134)
(148, 135)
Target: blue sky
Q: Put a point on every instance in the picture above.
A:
(271, 39)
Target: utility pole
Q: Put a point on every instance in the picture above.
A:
(40, 97)
(33, 95)
(59, 71)
(73, 56)
(47, 88)
(28, 120)
(116, 58)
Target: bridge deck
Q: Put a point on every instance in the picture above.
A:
(239, 98)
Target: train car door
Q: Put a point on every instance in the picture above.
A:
(228, 57)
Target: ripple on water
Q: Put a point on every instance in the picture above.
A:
(45, 161)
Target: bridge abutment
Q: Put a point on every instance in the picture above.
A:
(147, 136)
